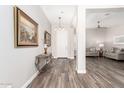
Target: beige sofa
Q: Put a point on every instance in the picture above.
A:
(92, 52)
(115, 53)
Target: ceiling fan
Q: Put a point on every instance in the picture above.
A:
(99, 26)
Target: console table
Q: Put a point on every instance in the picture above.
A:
(42, 60)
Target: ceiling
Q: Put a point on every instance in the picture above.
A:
(66, 12)
(109, 17)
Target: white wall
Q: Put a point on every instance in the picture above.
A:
(94, 35)
(17, 64)
(111, 33)
(70, 42)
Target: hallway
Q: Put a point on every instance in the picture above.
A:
(102, 73)
(59, 74)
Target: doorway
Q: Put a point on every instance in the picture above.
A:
(62, 44)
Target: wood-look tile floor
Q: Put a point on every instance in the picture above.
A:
(101, 73)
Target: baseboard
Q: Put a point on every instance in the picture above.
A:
(30, 80)
(81, 71)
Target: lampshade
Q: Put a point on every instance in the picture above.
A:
(101, 45)
(45, 45)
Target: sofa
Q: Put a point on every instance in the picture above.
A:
(92, 52)
(115, 53)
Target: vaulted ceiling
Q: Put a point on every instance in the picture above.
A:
(108, 17)
(66, 12)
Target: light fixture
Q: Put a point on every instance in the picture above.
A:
(45, 48)
(98, 26)
(60, 25)
(60, 28)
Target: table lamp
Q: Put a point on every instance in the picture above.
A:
(45, 48)
(101, 45)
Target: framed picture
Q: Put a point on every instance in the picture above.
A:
(119, 39)
(47, 38)
(26, 29)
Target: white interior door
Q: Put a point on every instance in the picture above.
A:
(62, 47)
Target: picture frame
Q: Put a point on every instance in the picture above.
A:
(47, 38)
(119, 39)
(25, 29)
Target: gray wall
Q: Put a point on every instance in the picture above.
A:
(93, 36)
(106, 35)
(17, 64)
(113, 32)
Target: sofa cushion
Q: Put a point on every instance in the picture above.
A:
(115, 53)
(114, 50)
(92, 49)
